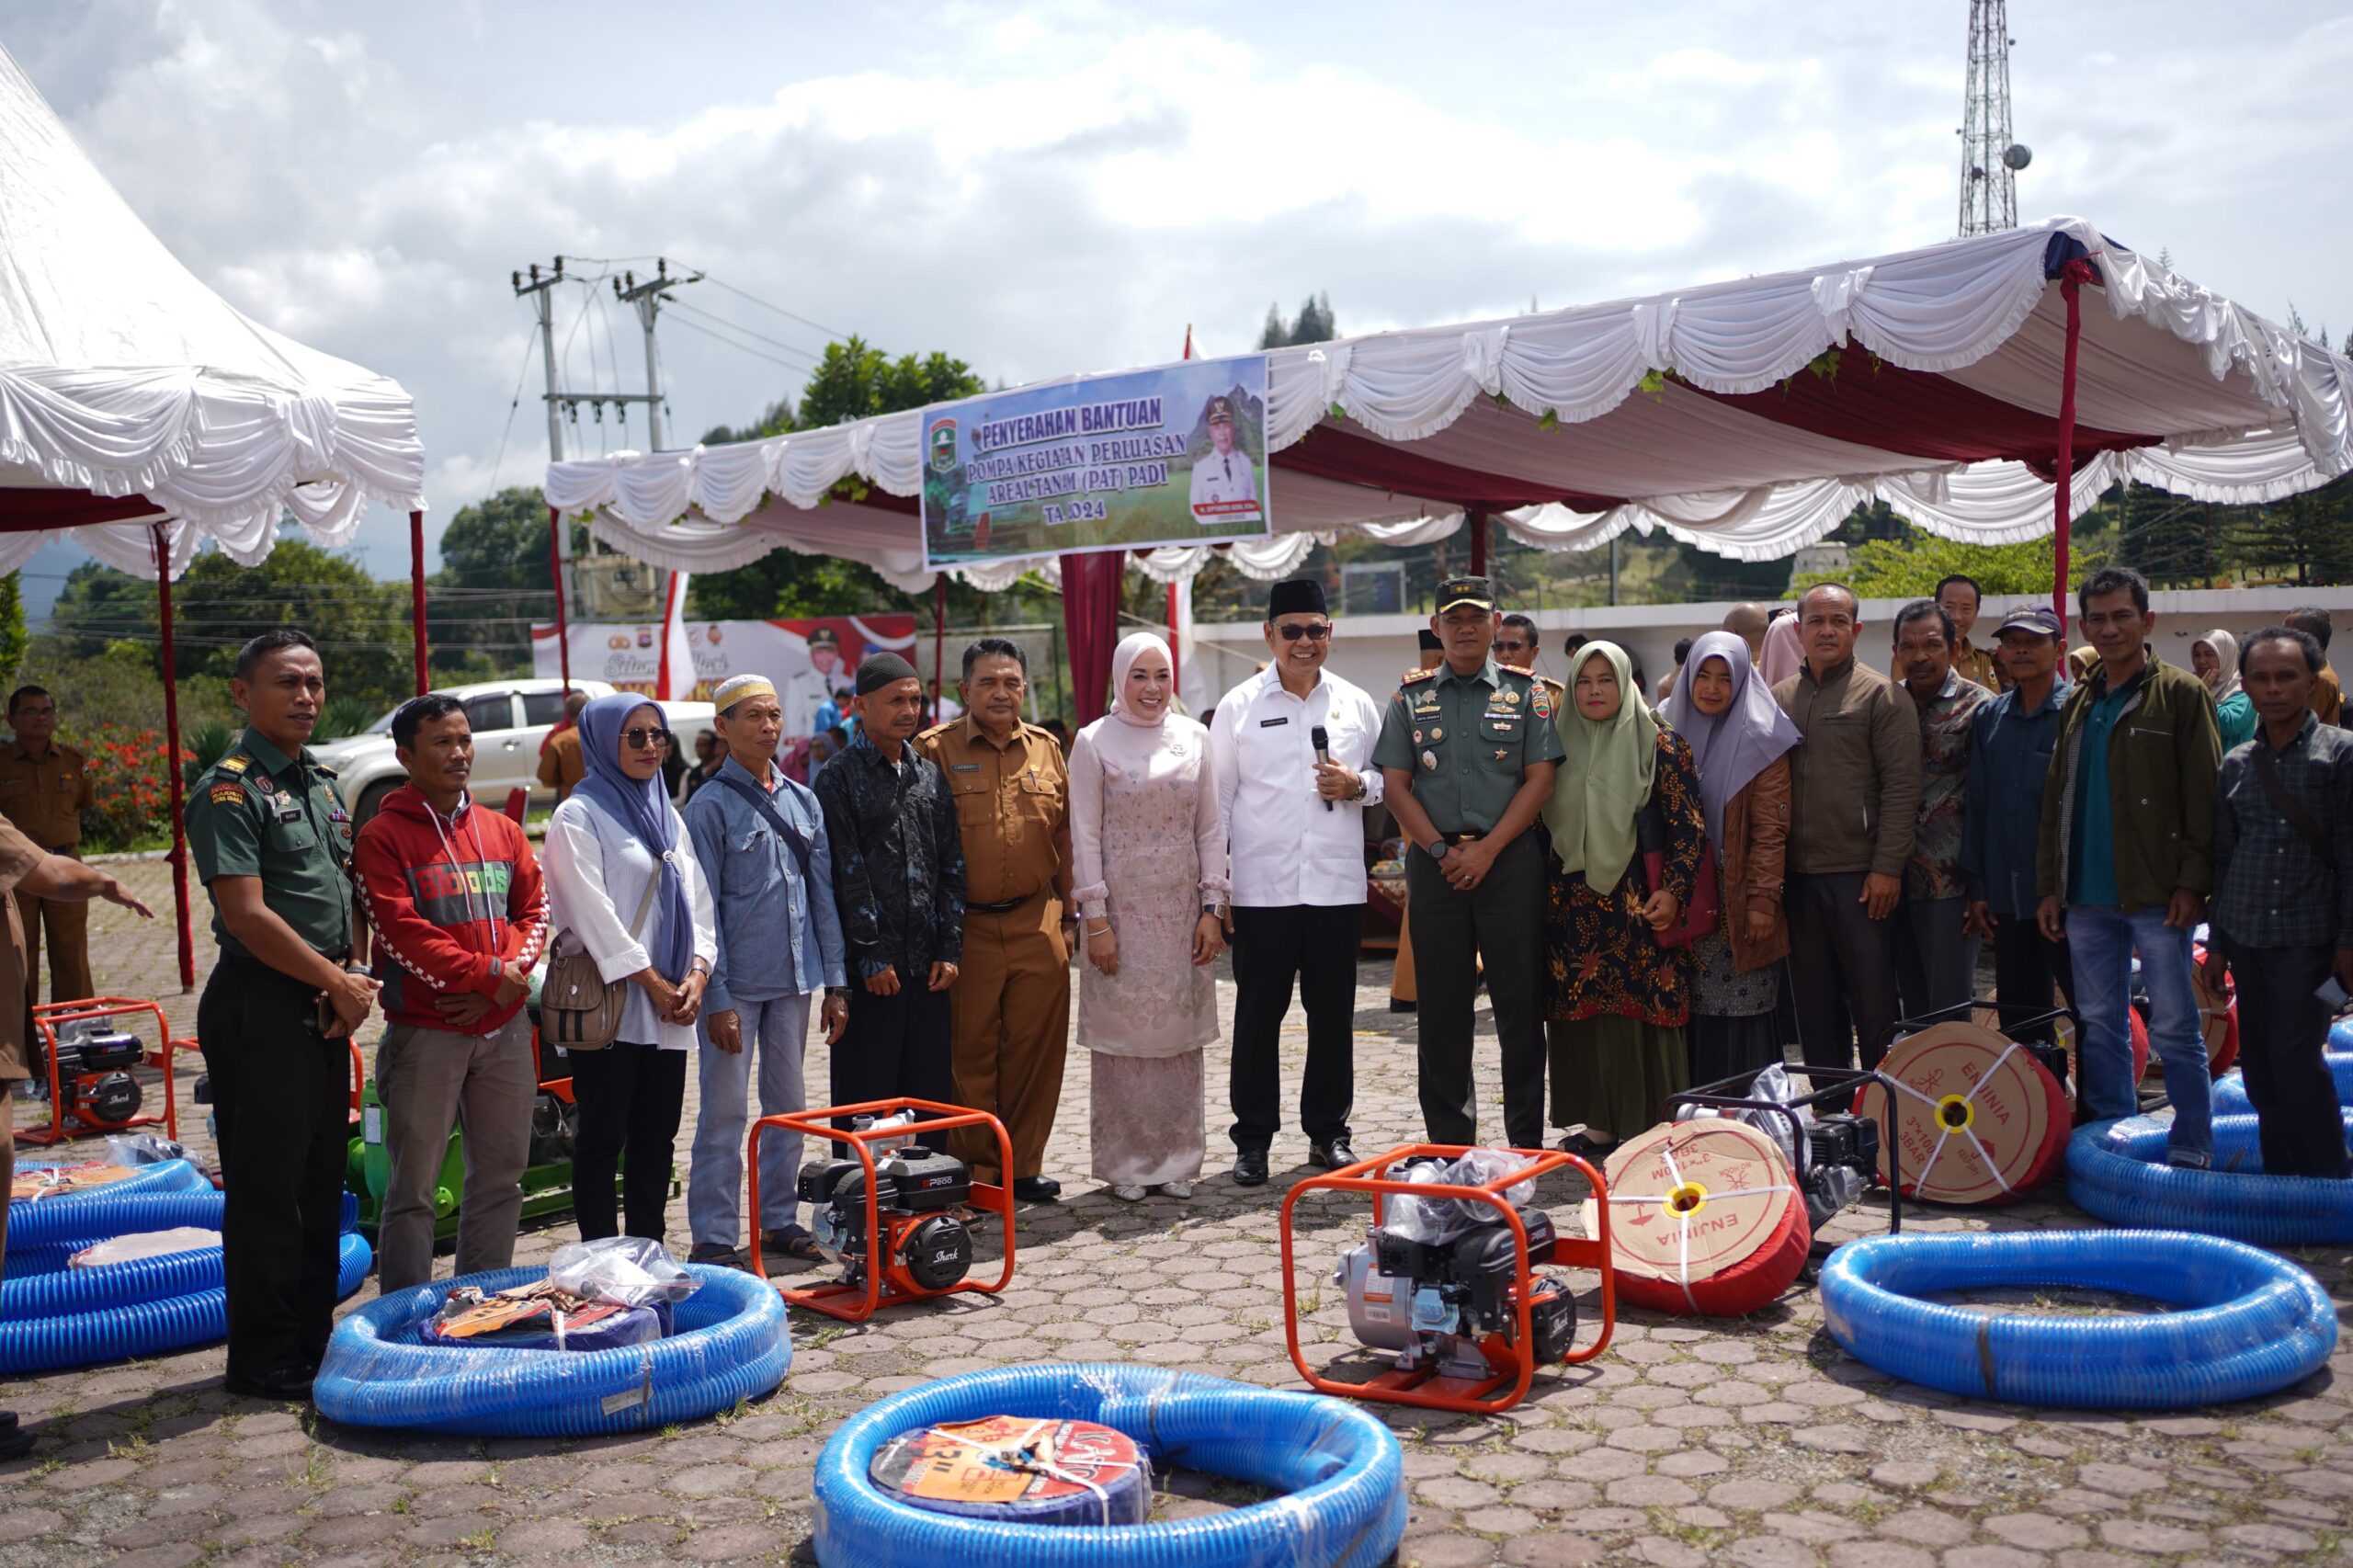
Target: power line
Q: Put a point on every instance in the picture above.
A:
(747, 332)
(513, 404)
(833, 332)
(741, 348)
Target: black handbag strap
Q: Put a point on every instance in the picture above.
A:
(785, 830)
(2266, 773)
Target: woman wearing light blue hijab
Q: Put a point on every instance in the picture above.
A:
(610, 839)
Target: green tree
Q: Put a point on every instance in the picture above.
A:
(1910, 568)
(2171, 541)
(12, 626)
(496, 579)
(1314, 323)
(2309, 536)
(856, 380)
(775, 420)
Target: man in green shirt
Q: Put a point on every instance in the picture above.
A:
(1467, 752)
(272, 843)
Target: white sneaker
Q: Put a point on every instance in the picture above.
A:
(1128, 1194)
(1177, 1190)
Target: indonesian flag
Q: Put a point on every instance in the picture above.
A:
(673, 681)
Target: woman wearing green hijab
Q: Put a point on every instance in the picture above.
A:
(1616, 1002)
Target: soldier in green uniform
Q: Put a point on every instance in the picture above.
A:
(272, 842)
(1468, 752)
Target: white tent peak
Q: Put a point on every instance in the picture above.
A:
(122, 374)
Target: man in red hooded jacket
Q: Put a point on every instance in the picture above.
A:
(461, 918)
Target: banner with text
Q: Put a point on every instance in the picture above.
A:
(811, 662)
(1172, 456)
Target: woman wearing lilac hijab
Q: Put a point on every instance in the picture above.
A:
(1739, 739)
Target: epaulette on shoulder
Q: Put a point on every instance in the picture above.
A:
(1522, 670)
(235, 762)
(1410, 677)
(326, 767)
(935, 730)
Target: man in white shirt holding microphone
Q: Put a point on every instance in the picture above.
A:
(1293, 751)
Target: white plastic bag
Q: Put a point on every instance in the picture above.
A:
(144, 1243)
(628, 1269)
(142, 1149)
(1436, 1219)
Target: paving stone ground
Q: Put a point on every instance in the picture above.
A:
(1754, 1443)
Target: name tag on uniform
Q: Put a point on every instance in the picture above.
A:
(1270, 724)
(965, 766)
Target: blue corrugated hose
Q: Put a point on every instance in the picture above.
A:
(101, 1213)
(2230, 1089)
(2340, 1035)
(732, 1344)
(2116, 1170)
(2250, 1322)
(140, 1327)
(1340, 1468)
(164, 1175)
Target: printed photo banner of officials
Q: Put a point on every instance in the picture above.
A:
(1175, 455)
(812, 663)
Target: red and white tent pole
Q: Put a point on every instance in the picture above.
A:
(555, 575)
(178, 853)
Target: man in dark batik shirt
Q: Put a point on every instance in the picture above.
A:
(899, 888)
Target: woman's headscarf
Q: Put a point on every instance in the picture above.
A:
(641, 807)
(1783, 655)
(1731, 747)
(2224, 682)
(1134, 646)
(1605, 776)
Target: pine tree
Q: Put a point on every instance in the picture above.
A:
(1274, 335)
(2170, 540)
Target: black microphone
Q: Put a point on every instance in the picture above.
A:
(1320, 739)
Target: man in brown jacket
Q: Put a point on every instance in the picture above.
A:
(1854, 802)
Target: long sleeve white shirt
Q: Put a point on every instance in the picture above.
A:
(597, 872)
(1286, 849)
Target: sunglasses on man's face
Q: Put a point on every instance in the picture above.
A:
(1316, 632)
(642, 736)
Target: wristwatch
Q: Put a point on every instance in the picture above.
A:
(1437, 849)
(840, 991)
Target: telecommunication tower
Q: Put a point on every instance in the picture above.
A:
(1989, 159)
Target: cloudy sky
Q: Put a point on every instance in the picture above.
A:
(1058, 186)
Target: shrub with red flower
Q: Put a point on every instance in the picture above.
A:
(134, 803)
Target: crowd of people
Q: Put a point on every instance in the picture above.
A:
(1789, 849)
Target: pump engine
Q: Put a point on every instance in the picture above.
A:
(94, 1082)
(923, 1248)
(1435, 1304)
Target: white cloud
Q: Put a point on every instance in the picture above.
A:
(1065, 185)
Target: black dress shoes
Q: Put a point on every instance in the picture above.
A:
(1331, 1156)
(1250, 1168)
(1036, 1188)
(289, 1386)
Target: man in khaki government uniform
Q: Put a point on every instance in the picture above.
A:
(55, 879)
(44, 789)
(1012, 997)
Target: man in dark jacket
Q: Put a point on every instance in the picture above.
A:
(2125, 857)
(899, 889)
(2010, 744)
(1854, 804)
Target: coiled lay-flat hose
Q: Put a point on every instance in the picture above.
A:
(1339, 1466)
(732, 1344)
(2117, 1171)
(2249, 1322)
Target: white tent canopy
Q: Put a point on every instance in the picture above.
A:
(124, 380)
(1748, 418)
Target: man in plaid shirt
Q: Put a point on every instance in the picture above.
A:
(2282, 912)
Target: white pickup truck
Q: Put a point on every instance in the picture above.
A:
(510, 719)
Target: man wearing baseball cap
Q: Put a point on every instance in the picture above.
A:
(2010, 741)
(1467, 753)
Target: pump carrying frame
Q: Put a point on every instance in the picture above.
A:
(852, 1304)
(49, 1016)
(1838, 1090)
(1513, 1361)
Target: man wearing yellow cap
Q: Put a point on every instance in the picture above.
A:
(761, 841)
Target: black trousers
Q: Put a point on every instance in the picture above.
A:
(1316, 946)
(897, 1045)
(1842, 969)
(630, 1098)
(281, 1101)
(2284, 1029)
(1501, 923)
(2026, 965)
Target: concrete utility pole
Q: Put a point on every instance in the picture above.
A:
(648, 297)
(542, 292)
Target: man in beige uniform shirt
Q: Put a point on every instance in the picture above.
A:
(44, 789)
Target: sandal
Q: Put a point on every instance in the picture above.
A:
(793, 1242)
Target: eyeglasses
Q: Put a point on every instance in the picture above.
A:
(1315, 634)
(1509, 644)
(642, 736)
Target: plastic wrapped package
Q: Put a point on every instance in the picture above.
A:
(1436, 1219)
(2117, 1171)
(632, 1270)
(2248, 1323)
(82, 1182)
(145, 1244)
(142, 1149)
(732, 1343)
(1339, 1469)
(1019, 1469)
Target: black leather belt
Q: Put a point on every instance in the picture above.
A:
(1007, 908)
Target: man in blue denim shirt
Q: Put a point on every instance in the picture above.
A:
(2010, 744)
(779, 943)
